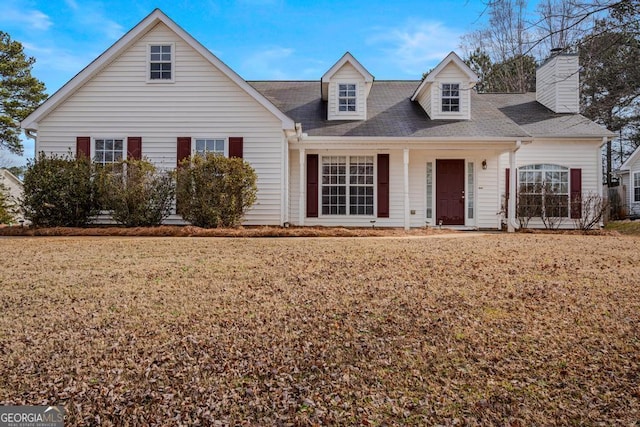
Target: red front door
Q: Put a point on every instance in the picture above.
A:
(450, 192)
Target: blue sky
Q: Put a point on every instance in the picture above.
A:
(259, 39)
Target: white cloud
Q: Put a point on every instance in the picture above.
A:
(32, 18)
(91, 16)
(55, 58)
(267, 64)
(417, 46)
(72, 4)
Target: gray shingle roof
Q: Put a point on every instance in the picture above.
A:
(391, 113)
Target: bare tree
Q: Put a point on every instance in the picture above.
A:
(592, 211)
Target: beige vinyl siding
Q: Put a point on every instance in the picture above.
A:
(570, 154)
(424, 98)
(203, 102)
(450, 74)
(557, 84)
(347, 74)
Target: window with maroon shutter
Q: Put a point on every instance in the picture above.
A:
(383, 186)
(576, 193)
(134, 148)
(312, 185)
(235, 146)
(83, 146)
(183, 148)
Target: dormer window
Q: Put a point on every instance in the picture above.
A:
(346, 97)
(161, 62)
(450, 97)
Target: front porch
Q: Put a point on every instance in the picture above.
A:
(444, 183)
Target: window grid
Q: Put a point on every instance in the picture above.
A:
(108, 150)
(450, 97)
(204, 146)
(361, 185)
(346, 97)
(470, 192)
(636, 187)
(429, 190)
(347, 190)
(543, 190)
(334, 188)
(160, 62)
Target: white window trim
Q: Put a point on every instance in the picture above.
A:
(429, 200)
(633, 186)
(173, 63)
(450, 113)
(564, 169)
(225, 139)
(347, 113)
(470, 192)
(125, 148)
(347, 194)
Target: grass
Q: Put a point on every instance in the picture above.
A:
(625, 227)
(525, 329)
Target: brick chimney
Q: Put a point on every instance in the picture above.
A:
(557, 83)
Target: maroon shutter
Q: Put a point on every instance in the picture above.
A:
(383, 186)
(312, 185)
(235, 146)
(576, 193)
(506, 192)
(134, 148)
(83, 146)
(184, 148)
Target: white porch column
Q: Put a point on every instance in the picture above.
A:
(301, 195)
(407, 217)
(511, 218)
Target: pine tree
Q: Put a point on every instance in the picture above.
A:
(20, 92)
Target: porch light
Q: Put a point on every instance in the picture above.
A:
(484, 164)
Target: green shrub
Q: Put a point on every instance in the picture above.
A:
(135, 192)
(7, 207)
(215, 191)
(59, 191)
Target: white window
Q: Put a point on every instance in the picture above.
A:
(429, 190)
(346, 97)
(210, 145)
(450, 97)
(636, 187)
(347, 190)
(470, 190)
(161, 62)
(543, 190)
(108, 150)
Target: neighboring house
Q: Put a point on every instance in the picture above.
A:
(13, 188)
(342, 150)
(629, 174)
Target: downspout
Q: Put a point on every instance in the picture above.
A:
(31, 135)
(512, 223)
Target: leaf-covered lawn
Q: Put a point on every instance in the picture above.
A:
(501, 329)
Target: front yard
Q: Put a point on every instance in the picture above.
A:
(524, 329)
